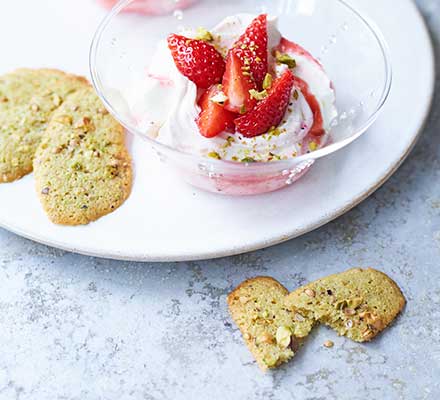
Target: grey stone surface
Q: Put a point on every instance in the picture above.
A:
(74, 327)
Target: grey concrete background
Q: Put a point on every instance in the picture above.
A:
(74, 327)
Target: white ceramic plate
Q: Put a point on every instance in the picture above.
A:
(166, 220)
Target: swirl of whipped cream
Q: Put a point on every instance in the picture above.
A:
(168, 110)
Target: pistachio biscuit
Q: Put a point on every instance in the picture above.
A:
(357, 303)
(271, 331)
(28, 98)
(82, 167)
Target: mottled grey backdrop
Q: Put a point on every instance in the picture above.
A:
(74, 327)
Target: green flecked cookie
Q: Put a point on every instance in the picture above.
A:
(272, 332)
(82, 167)
(357, 303)
(28, 99)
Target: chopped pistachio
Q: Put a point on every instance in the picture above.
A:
(64, 119)
(265, 337)
(102, 111)
(248, 160)
(376, 324)
(267, 83)
(349, 311)
(355, 303)
(258, 95)
(247, 336)
(283, 58)
(204, 34)
(299, 317)
(270, 360)
(243, 109)
(313, 146)
(56, 100)
(273, 131)
(340, 305)
(77, 166)
(283, 336)
(219, 98)
(367, 334)
(296, 95)
(215, 155)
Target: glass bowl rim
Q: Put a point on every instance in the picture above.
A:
(306, 158)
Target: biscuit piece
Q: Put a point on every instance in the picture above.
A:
(82, 167)
(357, 303)
(28, 99)
(271, 331)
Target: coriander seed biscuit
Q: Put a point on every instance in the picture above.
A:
(357, 303)
(271, 331)
(28, 97)
(82, 167)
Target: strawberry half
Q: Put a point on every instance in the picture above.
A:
(214, 118)
(270, 111)
(197, 60)
(252, 49)
(237, 83)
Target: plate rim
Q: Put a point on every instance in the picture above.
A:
(117, 255)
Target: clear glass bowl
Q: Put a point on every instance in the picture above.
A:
(351, 48)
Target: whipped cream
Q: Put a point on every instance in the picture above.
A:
(167, 109)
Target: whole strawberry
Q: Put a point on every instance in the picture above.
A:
(270, 111)
(197, 60)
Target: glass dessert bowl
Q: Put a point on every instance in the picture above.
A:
(351, 49)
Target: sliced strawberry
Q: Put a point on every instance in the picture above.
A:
(252, 48)
(317, 128)
(197, 60)
(214, 118)
(270, 111)
(237, 83)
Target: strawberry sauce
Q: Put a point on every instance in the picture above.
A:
(286, 46)
(317, 128)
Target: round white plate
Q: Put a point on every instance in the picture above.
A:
(166, 220)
